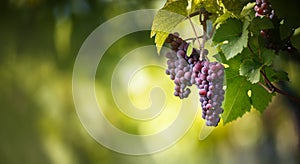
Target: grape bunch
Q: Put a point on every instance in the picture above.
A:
(179, 71)
(264, 8)
(180, 66)
(271, 37)
(188, 70)
(209, 79)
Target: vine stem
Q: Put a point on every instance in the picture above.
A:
(271, 88)
(204, 15)
(193, 39)
(195, 32)
(194, 14)
(202, 45)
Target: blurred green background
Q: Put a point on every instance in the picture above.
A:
(39, 41)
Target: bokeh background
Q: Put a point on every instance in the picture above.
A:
(39, 41)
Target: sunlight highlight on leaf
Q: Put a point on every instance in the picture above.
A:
(166, 20)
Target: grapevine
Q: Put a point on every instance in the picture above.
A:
(248, 38)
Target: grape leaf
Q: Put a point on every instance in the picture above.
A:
(166, 19)
(295, 39)
(211, 6)
(260, 98)
(280, 76)
(237, 101)
(252, 64)
(248, 12)
(234, 6)
(251, 70)
(232, 37)
(260, 23)
(267, 57)
(275, 76)
(223, 17)
(286, 31)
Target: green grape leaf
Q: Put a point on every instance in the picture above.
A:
(195, 5)
(211, 6)
(260, 98)
(232, 37)
(248, 12)
(223, 17)
(252, 64)
(251, 70)
(295, 39)
(218, 57)
(268, 57)
(285, 31)
(258, 24)
(238, 101)
(234, 6)
(255, 42)
(166, 19)
(275, 76)
(280, 76)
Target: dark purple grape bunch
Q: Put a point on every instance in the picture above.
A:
(271, 37)
(210, 84)
(188, 70)
(264, 8)
(179, 71)
(176, 43)
(180, 66)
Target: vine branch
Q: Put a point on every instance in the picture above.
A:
(194, 14)
(193, 39)
(195, 32)
(204, 15)
(271, 88)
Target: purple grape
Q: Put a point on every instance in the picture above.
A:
(208, 76)
(180, 66)
(211, 91)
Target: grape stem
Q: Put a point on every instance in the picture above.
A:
(195, 32)
(204, 15)
(271, 88)
(266, 88)
(194, 14)
(202, 56)
(193, 39)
